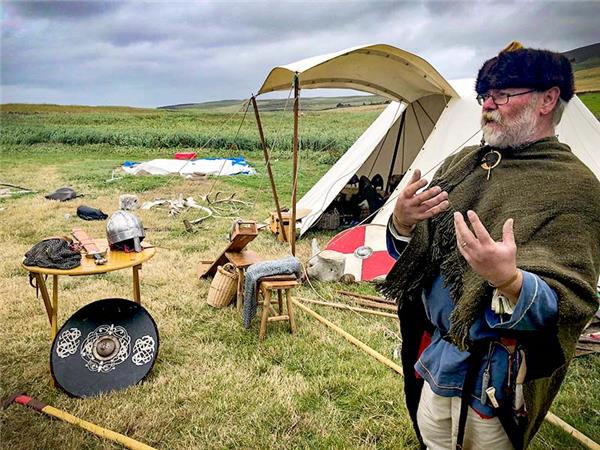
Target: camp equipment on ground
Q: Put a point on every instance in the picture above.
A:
(240, 237)
(10, 190)
(278, 228)
(325, 265)
(63, 194)
(185, 155)
(284, 266)
(187, 168)
(88, 213)
(53, 253)
(107, 345)
(22, 399)
(128, 202)
(365, 251)
(90, 247)
(223, 286)
(283, 288)
(125, 231)
(116, 260)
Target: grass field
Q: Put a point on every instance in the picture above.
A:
(153, 129)
(214, 385)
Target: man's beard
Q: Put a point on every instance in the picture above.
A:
(514, 131)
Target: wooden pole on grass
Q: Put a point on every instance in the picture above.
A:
(374, 298)
(364, 347)
(351, 308)
(268, 162)
(576, 434)
(295, 168)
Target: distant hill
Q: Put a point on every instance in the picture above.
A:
(308, 104)
(586, 67)
(584, 57)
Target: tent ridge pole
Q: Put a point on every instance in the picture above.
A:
(391, 172)
(295, 168)
(268, 162)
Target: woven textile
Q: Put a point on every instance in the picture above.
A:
(284, 266)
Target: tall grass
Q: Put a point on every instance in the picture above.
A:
(177, 129)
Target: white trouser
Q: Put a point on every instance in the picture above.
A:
(438, 421)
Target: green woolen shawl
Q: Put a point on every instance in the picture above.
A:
(554, 200)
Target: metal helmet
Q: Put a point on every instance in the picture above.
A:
(125, 231)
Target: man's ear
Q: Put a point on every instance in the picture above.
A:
(549, 99)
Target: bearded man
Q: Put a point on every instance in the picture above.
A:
(492, 305)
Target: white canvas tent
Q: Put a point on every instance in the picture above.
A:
(420, 95)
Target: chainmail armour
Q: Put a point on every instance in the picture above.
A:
(283, 266)
(53, 253)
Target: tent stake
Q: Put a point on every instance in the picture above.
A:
(295, 168)
(268, 162)
(550, 417)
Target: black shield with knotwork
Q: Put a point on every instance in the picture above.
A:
(107, 345)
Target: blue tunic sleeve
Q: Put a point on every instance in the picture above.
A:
(536, 308)
(394, 242)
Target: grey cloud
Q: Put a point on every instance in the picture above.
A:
(148, 54)
(57, 10)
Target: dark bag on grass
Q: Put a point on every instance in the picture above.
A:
(53, 253)
(89, 213)
(63, 194)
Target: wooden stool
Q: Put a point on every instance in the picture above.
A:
(280, 285)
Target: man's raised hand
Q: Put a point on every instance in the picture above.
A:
(412, 208)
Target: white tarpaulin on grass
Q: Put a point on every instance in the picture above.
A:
(208, 166)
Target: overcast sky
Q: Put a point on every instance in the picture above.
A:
(159, 53)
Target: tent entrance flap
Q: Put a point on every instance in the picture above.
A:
(388, 147)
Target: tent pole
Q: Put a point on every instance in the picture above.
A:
(295, 168)
(391, 172)
(268, 162)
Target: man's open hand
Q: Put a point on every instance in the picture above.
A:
(411, 208)
(494, 261)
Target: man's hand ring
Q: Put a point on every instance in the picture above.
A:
(464, 244)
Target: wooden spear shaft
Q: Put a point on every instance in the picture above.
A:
(351, 308)
(374, 298)
(364, 347)
(295, 168)
(550, 417)
(576, 434)
(268, 162)
(387, 307)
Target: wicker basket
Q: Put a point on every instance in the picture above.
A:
(329, 220)
(223, 286)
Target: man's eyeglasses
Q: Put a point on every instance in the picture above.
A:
(501, 98)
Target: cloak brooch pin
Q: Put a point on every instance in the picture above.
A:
(490, 160)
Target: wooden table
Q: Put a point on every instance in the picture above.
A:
(116, 260)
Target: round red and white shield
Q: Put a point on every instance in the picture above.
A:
(365, 250)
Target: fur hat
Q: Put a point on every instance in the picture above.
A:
(516, 66)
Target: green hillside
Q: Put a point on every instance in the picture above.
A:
(284, 104)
